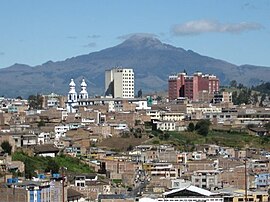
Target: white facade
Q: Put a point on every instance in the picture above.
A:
(154, 114)
(83, 94)
(60, 131)
(142, 105)
(172, 116)
(166, 125)
(119, 83)
(44, 138)
(73, 98)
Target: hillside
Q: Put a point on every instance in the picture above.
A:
(152, 61)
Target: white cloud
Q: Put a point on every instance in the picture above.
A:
(90, 45)
(203, 26)
(127, 36)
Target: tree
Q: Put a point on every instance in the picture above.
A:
(191, 127)
(41, 123)
(159, 98)
(166, 136)
(255, 99)
(240, 85)
(234, 97)
(29, 168)
(263, 97)
(202, 127)
(267, 126)
(233, 83)
(35, 101)
(140, 93)
(52, 166)
(6, 146)
(130, 148)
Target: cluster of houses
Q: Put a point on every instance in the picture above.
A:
(144, 173)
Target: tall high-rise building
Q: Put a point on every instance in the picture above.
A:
(176, 84)
(119, 83)
(182, 85)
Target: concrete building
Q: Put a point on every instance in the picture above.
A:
(206, 179)
(182, 85)
(119, 83)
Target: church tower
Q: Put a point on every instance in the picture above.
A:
(72, 97)
(83, 94)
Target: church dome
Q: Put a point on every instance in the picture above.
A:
(83, 84)
(72, 83)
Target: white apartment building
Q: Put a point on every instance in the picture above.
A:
(119, 83)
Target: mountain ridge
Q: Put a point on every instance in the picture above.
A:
(152, 61)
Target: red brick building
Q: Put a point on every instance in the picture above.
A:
(182, 85)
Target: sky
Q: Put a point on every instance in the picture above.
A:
(33, 32)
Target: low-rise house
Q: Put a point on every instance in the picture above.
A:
(262, 181)
(250, 115)
(260, 166)
(27, 191)
(7, 165)
(74, 196)
(172, 116)
(90, 186)
(258, 131)
(44, 138)
(208, 149)
(240, 195)
(84, 180)
(163, 170)
(206, 179)
(197, 156)
(165, 125)
(46, 150)
(235, 177)
(60, 131)
(116, 168)
(201, 165)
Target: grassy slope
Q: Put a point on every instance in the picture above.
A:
(185, 141)
(73, 165)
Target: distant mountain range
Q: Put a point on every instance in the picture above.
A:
(152, 61)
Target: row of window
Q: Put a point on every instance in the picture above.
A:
(127, 81)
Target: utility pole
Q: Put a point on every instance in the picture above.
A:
(246, 177)
(63, 185)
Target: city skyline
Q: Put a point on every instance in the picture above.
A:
(34, 32)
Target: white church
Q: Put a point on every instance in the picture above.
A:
(73, 97)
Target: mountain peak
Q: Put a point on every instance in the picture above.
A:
(143, 42)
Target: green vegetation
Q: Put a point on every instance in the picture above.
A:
(35, 101)
(244, 95)
(263, 88)
(39, 164)
(72, 164)
(6, 146)
(202, 127)
(41, 123)
(186, 141)
(117, 181)
(191, 127)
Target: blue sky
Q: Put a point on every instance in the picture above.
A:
(35, 31)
